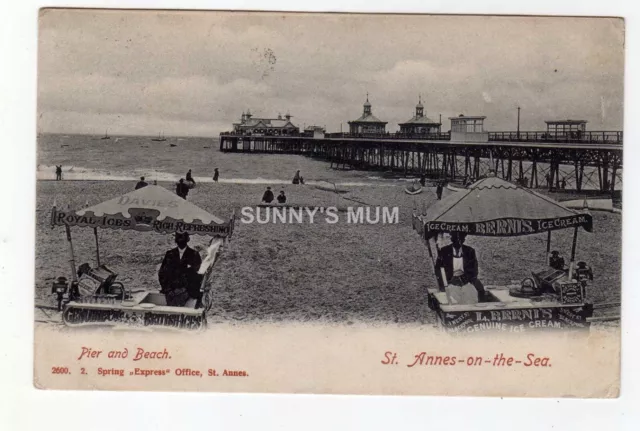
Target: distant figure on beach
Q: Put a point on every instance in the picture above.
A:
(439, 189)
(564, 183)
(282, 199)
(267, 197)
(182, 189)
(58, 172)
(216, 175)
(547, 178)
(142, 183)
(297, 178)
(190, 178)
(423, 180)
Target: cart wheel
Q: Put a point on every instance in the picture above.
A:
(204, 321)
(65, 316)
(117, 288)
(207, 300)
(430, 302)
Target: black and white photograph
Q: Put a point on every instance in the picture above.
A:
(428, 195)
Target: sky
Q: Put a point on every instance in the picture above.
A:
(194, 73)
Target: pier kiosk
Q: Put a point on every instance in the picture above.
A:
(566, 129)
(468, 128)
(545, 298)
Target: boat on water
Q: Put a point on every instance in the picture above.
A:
(160, 138)
(106, 135)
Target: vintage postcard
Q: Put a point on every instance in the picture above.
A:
(329, 203)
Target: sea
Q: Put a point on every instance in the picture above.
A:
(126, 158)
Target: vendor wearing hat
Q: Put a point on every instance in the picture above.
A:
(178, 274)
(461, 270)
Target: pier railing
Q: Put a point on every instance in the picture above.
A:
(422, 136)
(590, 137)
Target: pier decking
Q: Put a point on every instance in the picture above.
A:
(534, 159)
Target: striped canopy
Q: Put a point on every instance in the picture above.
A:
(151, 208)
(495, 207)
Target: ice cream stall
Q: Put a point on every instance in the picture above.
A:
(93, 296)
(553, 295)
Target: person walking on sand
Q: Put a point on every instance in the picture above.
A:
(182, 189)
(58, 172)
(439, 189)
(216, 175)
(142, 183)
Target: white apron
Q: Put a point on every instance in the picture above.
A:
(466, 294)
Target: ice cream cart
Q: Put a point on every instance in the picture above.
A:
(546, 298)
(92, 296)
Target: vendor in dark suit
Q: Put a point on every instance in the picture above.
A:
(459, 263)
(178, 274)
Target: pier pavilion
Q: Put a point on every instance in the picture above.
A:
(419, 124)
(249, 125)
(367, 123)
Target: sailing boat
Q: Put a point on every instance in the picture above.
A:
(159, 138)
(106, 135)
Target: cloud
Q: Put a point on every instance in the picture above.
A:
(133, 71)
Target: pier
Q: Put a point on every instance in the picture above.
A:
(566, 154)
(592, 159)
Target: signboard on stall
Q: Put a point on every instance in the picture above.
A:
(515, 320)
(571, 292)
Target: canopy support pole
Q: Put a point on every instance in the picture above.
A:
(433, 262)
(72, 259)
(443, 276)
(95, 234)
(573, 251)
(546, 262)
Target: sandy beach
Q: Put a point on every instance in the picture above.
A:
(281, 272)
